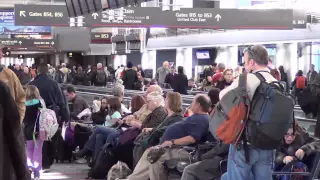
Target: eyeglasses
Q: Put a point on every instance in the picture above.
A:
(290, 135)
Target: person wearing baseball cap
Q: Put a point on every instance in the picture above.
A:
(11, 80)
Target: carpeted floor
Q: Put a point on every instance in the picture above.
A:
(66, 171)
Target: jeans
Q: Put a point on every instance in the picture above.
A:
(97, 139)
(34, 156)
(259, 167)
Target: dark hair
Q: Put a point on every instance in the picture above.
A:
(180, 70)
(137, 102)
(300, 73)
(214, 96)
(43, 68)
(204, 102)
(259, 54)
(70, 89)
(281, 69)
(114, 104)
(174, 101)
(59, 67)
(214, 64)
(153, 82)
(129, 64)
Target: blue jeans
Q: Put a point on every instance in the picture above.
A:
(259, 167)
(97, 139)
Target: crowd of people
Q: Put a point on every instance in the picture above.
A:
(148, 138)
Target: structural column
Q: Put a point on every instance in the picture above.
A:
(288, 58)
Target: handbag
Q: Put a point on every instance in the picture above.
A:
(129, 135)
(150, 139)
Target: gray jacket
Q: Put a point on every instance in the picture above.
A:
(161, 74)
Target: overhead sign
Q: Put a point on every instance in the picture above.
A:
(40, 15)
(193, 18)
(100, 38)
(6, 17)
(29, 43)
(299, 19)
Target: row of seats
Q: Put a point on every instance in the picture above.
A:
(93, 93)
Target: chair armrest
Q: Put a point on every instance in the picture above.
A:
(189, 148)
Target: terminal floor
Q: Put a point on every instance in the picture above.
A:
(66, 171)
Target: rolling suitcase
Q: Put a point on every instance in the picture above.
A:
(62, 150)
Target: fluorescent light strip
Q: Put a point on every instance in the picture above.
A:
(240, 44)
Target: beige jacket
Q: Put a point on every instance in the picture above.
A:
(11, 80)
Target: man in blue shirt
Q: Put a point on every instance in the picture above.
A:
(188, 132)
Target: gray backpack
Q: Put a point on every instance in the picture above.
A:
(270, 116)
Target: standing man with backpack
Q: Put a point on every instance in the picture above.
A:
(253, 115)
(99, 76)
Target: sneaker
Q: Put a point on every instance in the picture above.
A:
(44, 170)
(81, 161)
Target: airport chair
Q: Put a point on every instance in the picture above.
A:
(313, 163)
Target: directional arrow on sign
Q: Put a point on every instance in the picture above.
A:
(95, 15)
(20, 42)
(23, 13)
(218, 17)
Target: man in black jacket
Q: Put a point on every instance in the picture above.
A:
(54, 99)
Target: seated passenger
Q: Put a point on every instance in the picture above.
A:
(78, 104)
(100, 135)
(188, 132)
(144, 111)
(99, 117)
(296, 145)
(114, 111)
(151, 136)
(137, 102)
(118, 91)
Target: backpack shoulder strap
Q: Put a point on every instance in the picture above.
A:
(243, 81)
(260, 76)
(43, 104)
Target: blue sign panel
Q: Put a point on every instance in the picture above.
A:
(7, 17)
(7, 26)
(11, 29)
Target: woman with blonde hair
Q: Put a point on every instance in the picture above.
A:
(31, 129)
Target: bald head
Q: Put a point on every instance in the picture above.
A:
(99, 65)
(201, 104)
(166, 64)
(154, 88)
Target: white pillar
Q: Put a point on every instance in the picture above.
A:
(65, 58)
(149, 61)
(288, 58)
(293, 48)
(304, 60)
(57, 59)
(120, 60)
(232, 61)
